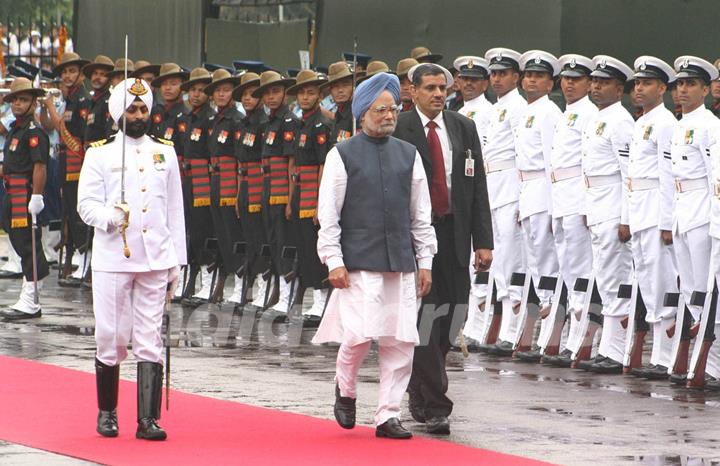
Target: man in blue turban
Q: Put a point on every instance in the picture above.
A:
(376, 239)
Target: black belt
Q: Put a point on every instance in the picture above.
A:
(440, 219)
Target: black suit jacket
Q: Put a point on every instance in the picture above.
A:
(469, 197)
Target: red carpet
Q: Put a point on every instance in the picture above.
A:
(54, 409)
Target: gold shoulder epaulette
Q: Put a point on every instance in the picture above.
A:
(102, 142)
(162, 141)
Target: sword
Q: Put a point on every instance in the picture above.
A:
(355, 47)
(166, 319)
(123, 205)
(33, 232)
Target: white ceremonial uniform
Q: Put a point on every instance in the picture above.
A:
(479, 110)
(376, 306)
(129, 293)
(691, 169)
(713, 362)
(572, 238)
(650, 195)
(606, 148)
(503, 194)
(533, 145)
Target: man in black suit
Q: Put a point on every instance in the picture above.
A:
(450, 150)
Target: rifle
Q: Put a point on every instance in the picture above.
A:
(552, 324)
(701, 349)
(581, 337)
(529, 311)
(637, 327)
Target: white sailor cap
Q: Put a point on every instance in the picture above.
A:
(537, 60)
(448, 76)
(503, 59)
(607, 67)
(575, 66)
(470, 66)
(652, 67)
(688, 66)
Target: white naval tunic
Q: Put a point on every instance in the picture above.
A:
(691, 169)
(572, 239)
(650, 193)
(129, 293)
(479, 110)
(605, 152)
(533, 145)
(376, 305)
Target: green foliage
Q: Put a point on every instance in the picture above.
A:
(48, 11)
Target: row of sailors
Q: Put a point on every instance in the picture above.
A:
(588, 200)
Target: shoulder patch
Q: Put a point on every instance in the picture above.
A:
(32, 125)
(288, 120)
(162, 141)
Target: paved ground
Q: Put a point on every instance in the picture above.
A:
(559, 415)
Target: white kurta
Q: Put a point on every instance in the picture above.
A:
(376, 305)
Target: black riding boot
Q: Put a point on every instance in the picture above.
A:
(149, 400)
(107, 378)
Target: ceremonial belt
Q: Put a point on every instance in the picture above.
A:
(73, 164)
(252, 173)
(562, 174)
(226, 167)
(200, 179)
(500, 165)
(309, 184)
(276, 171)
(527, 175)
(17, 187)
(602, 180)
(683, 186)
(642, 184)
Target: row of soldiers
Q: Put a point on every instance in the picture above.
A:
(250, 166)
(600, 222)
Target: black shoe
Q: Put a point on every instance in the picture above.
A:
(107, 379)
(392, 429)
(563, 359)
(501, 348)
(585, 365)
(70, 282)
(652, 372)
(609, 366)
(193, 301)
(344, 410)
(416, 405)
(12, 314)
(149, 400)
(678, 379)
(712, 383)
(473, 346)
(6, 274)
(438, 425)
(311, 321)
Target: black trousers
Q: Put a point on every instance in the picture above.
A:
(279, 233)
(200, 227)
(78, 233)
(312, 271)
(450, 288)
(227, 227)
(21, 241)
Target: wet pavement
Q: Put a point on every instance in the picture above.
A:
(563, 416)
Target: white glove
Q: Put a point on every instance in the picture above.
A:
(36, 204)
(173, 280)
(118, 217)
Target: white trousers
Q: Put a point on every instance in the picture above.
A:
(655, 272)
(612, 341)
(508, 254)
(540, 251)
(128, 306)
(572, 243)
(612, 263)
(395, 360)
(662, 343)
(692, 252)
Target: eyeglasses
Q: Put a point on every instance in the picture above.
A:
(381, 110)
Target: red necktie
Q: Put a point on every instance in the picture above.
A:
(438, 183)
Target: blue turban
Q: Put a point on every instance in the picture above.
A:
(370, 89)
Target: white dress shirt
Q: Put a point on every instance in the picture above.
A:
(445, 145)
(690, 153)
(567, 153)
(156, 232)
(479, 110)
(650, 160)
(330, 204)
(533, 145)
(605, 152)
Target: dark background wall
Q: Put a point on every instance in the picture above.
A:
(162, 30)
